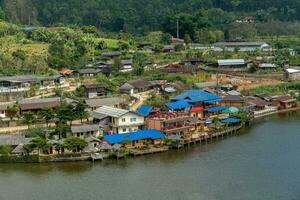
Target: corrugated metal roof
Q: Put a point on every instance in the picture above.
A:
(14, 140)
(216, 109)
(139, 135)
(29, 78)
(231, 120)
(192, 96)
(104, 102)
(112, 112)
(27, 104)
(84, 128)
(229, 62)
(239, 44)
(144, 110)
(178, 105)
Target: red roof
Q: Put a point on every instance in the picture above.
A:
(196, 109)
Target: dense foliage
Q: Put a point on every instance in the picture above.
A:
(147, 15)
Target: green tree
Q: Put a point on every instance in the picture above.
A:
(75, 144)
(165, 38)
(29, 118)
(62, 129)
(12, 111)
(5, 149)
(187, 39)
(139, 63)
(80, 111)
(47, 114)
(65, 114)
(39, 143)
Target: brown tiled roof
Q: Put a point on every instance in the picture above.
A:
(95, 85)
(139, 83)
(36, 104)
(258, 102)
(284, 98)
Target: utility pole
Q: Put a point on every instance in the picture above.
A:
(177, 24)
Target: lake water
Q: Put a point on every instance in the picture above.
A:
(261, 163)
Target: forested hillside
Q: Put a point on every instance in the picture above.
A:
(142, 16)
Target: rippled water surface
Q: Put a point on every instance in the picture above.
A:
(261, 163)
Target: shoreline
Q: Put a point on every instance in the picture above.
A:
(93, 157)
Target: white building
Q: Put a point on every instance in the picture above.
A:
(242, 46)
(118, 120)
(232, 63)
(292, 73)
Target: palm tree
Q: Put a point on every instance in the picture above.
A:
(80, 111)
(29, 118)
(47, 114)
(12, 111)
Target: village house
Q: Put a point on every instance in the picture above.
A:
(85, 130)
(3, 109)
(96, 90)
(178, 106)
(116, 102)
(111, 54)
(144, 110)
(232, 63)
(36, 105)
(169, 49)
(148, 49)
(137, 139)
(16, 142)
(118, 120)
(138, 86)
(284, 102)
(292, 74)
(198, 112)
(126, 66)
(93, 144)
(192, 61)
(266, 66)
(242, 46)
(215, 112)
(89, 72)
(171, 123)
(258, 104)
(198, 98)
(171, 88)
(18, 87)
(233, 100)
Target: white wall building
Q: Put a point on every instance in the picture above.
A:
(120, 121)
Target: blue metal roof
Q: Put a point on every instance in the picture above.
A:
(178, 105)
(139, 135)
(144, 110)
(231, 120)
(216, 109)
(192, 96)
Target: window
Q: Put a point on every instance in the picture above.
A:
(133, 119)
(123, 119)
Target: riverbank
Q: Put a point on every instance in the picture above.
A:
(120, 154)
(260, 163)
